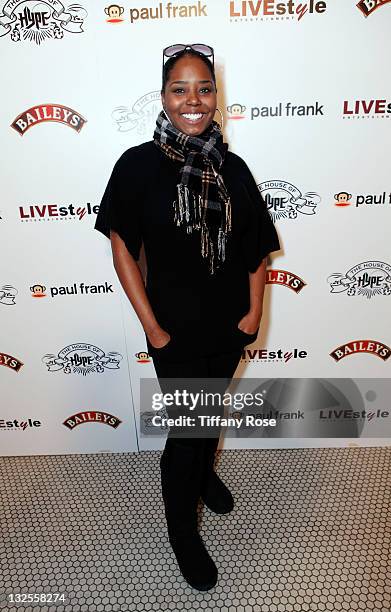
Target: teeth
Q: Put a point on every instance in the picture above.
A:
(192, 116)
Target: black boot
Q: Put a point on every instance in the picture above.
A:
(181, 472)
(214, 493)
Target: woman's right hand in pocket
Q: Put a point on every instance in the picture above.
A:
(158, 338)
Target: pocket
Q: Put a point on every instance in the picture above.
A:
(247, 338)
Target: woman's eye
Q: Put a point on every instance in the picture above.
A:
(205, 90)
(178, 90)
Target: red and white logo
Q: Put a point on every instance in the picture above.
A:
(48, 112)
(361, 346)
(288, 279)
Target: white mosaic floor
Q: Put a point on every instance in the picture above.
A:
(310, 532)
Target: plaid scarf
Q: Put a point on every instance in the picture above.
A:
(202, 201)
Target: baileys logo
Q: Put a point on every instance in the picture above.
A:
(367, 7)
(48, 112)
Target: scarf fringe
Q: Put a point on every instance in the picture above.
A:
(190, 212)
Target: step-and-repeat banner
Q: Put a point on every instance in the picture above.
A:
(304, 89)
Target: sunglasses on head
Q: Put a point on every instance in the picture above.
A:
(174, 50)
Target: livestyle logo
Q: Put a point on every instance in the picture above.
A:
(368, 278)
(373, 347)
(38, 291)
(349, 415)
(343, 198)
(141, 116)
(38, 21)
(366, 109)
(259, 10)
(367, 7)
(279, 355)
(8, 294)
(285, 278)
(16, 425)
(54, 212)
(82, 358)
(92, 416)
(161, 10)
(285, 201)
(10, 362)
(48, 112)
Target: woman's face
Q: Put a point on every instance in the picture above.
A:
(189, 98)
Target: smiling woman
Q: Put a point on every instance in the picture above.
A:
(206, 232)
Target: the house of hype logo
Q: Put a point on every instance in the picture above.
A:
(8, 294)
(48, 112)
(373, 347)
(55, 212)
(344, 198)
(260, 10)
(286, 201)
(141, 116)
(379, 108)
(116, 13)
(368, 278)
(41, 20)
(82, 358)
(367, 7)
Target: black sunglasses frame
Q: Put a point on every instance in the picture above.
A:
(185, 48)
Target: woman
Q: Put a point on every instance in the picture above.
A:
(206, 233)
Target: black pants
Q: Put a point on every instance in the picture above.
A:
(181, 375)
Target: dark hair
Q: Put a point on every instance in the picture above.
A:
(170, 63)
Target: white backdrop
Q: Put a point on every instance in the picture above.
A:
(303, 89)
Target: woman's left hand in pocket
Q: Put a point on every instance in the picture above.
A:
(250, 323)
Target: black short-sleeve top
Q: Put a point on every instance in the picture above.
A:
(200, 311)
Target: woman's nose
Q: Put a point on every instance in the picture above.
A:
(193, 98)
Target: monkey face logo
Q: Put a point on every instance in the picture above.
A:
(342, 198)
(38, 291)
(143, 357)
(236, 111)
(114, 12)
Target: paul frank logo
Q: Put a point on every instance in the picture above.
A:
(288, 109)
(343, 198)
(367, 7)
(287, 279)
(236, 111)
(48, 112)
(10, 362)
(260, 10)
(279, 355)
(169, 10)
(54, 212)
(285, 201)
(141, 116)
(8, 295)
(37, 21)
(142, 357)
(38, 291)
(114, 13)
(92, 416)
(366, 109)
(82, 358)
(373, 347)
(368, 279)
